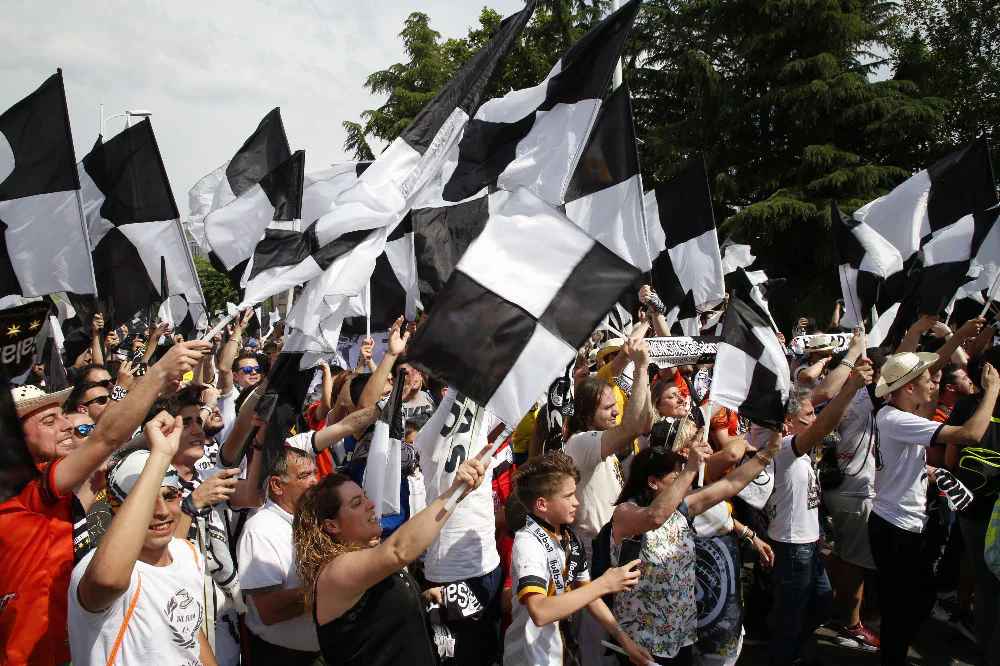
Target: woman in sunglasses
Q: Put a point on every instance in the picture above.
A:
(654, 521)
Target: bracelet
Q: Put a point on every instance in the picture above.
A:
(746, 531)
(617, 632)
(847, 364)
(751, 536)
(762, 459)
(204, 407)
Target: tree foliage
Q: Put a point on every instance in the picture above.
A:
(217, 288)
(793, 103)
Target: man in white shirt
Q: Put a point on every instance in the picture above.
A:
(803, 598)
(280, 630)
(895, 528)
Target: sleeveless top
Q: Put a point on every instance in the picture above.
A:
(387, 627)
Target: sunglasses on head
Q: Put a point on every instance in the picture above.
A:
(104, 383)
(247, 369)
(100, 400)
(84, 430)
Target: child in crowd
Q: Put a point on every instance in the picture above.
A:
(549, 570)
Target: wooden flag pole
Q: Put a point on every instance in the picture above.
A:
(493, 448)
(221, 325)
(708, 422)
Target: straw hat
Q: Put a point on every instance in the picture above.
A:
(611, 346)
(28, 398)
(899, 369)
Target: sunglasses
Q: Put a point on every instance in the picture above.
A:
(248, 369)
(100, 400)
(104, 383)
(84, 430)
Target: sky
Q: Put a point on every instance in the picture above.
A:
(210, 70)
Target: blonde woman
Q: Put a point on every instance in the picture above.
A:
(366, 606)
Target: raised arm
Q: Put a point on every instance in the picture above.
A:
(230, 350)
(631, 519)
(655, 306)
(732, 483)
(121, 419)
(349, 425)
(97, 339)
(835, 378)
(349, 575)
(232, 450)
(325, 399)
(108, 575)
(912, 337)
(638, 417)
(154, 341)
(376, 385)
(830, 417)
(969, 329)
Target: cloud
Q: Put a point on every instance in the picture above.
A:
(209, 70)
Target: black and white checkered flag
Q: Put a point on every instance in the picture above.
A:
(751, 376)
(526, 294)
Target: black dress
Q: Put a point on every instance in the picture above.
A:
(387, 627)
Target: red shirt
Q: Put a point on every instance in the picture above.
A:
(324, 460)
(36, 560)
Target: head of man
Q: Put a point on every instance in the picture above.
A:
(801, 413)
(90, 398)
(608, 351)
(413, 381)
(246, 370)
(211, 418)
(294, 473)
(955, 384)
(907, 380)
(594, 406)
(83, 425)
(47, 431)
(97, 374)
(192, 446)
(271, 350)
(122, 475)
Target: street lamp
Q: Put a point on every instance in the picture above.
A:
(133, 113)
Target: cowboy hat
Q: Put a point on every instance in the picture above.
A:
(611, 346)
(28, 398)
(900, 369)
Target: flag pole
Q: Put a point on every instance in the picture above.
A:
(368, 312)
(990, 295)
(708, 422)
(616, 78)
(221, 325)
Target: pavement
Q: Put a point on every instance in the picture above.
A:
(937, 644)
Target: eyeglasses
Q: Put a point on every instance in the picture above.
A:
(250, 369)
(100, 400)
(84, 430)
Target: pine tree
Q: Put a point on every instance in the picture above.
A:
(781, 98)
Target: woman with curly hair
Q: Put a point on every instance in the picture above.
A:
(366, 606)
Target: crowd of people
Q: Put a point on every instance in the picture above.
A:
(155, 532)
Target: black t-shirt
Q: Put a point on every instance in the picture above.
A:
(979, 465)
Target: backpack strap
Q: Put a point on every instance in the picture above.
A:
(128, 617)
(194, 553)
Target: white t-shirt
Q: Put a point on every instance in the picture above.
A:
(267, 562)
(856, 451)
(600, 483)
(901, 484)
(466, 547)
(163, 629)
(794, 503)
(524, 642)
(227, 408)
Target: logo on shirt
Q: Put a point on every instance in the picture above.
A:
(184, 615)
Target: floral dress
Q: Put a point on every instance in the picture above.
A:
(660, 612)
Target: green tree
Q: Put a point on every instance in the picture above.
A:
(218, 291)
(781, 98)
(951, 49)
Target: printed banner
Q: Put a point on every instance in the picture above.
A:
(19, 329)
(717, 589)
(673, 352)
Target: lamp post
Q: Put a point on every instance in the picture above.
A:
(129, 113)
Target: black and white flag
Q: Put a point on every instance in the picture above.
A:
(866, 259)
(684, 246)
(937, 221)
(751, 372)
(337, 253)
(383, 470)
(735, 255)
(43, 236)
(524, 297)
(134, 227)
(533, 138)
